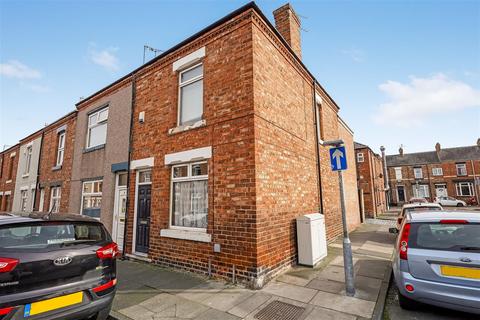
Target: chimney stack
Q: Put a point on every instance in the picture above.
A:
(400, 150)
(438, 147)
(288, 24)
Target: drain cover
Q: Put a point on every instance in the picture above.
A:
(277, 310)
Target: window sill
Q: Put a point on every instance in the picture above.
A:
(25, 175)
(183, 128)
(186, 235)
(102, 146)
(56, 168)
(8, 181)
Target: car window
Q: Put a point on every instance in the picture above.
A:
(451, 237)
(419, 209)
(45, 235)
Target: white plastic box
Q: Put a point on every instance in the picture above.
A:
(311, 239)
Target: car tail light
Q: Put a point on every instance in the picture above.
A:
(5, 311)
(403, 244)
(105, 286)
(110, 251)
(409, 288)
(7, 264)
(454, 221)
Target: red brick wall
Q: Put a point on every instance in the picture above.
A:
(10, 185)
(49, 174)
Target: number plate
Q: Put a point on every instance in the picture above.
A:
(461, 272)
(52, 304)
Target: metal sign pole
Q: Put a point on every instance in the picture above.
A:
(347, 245)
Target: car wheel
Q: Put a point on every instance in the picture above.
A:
(459, 204)
(103, 314)
(406, 303)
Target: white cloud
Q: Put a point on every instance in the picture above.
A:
(37, 88)
(355, 54)
(16, 69)
(105, 58)
(411, 103)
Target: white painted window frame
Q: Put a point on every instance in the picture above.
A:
(60, 148)
(462, 167)
(458, 187)
(23, 200)
(398, 173)
(28, 159)
(418, 173)
(96, 124)
(55, 197)
(90, 194)
(438, 171)
(184, 84)
(360, 157)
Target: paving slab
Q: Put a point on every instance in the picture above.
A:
(290, 291)
(227, 298)
(203, 291)
(137, 312)
(291, 279)
(326, 285)
(318, 313)
(168, 305)
(250, 304)
(213, 314)
(342, 303)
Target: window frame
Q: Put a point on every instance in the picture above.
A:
(398, 173)
(458, 167)
(188, 178)
(91, 194)
(97, 124)
(28, 160)
(425, 187)
(418, 170)
(57, 197)
(61, 136)
(360, 155)
(437, 171)
(184, 84)
(23, 200)
(458, 188)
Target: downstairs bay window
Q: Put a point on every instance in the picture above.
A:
(189, 191)
(464, 189)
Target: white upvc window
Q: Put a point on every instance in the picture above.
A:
(23, 200)
(464, 189)
(189, 189)
(461, 169)
(55, 197)
(92, 198)
(421, 191)
(437, 171)
(60, 148)
(398, 173)
(190, 106)
(28, 159)
(417, 172)
(97, 128)
(360, 157)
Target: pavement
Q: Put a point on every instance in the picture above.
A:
(145, 291)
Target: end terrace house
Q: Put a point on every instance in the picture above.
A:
(56, 158)
(27, 172)
(226, 150)
(8, 173)
(100, 156)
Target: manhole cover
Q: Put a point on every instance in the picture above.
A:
(278, 310)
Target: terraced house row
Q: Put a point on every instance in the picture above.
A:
(200, 159)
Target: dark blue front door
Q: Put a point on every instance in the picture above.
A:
(143, 218)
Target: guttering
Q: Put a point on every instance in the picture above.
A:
(317, 148)
(37, 182)
(233, 14)
(130, 138)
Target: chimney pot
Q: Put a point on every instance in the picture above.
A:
(438, 147)
(400, 150)
(287, 24)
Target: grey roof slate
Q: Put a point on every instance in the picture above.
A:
(447, 154)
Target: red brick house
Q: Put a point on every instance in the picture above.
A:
(451, 172)
(371, 182)
(55, 169)
(8, 172)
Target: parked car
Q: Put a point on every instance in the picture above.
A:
(55, 266)
(416, 207)
(418, 200)
(450, 202)
(436, 260)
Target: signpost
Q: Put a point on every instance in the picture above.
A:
(338, 160)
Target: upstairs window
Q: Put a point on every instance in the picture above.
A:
(10, 168)
(190, 95)
(461, 169)
(1, 167)
(360, 157)
(437, 171)
(55, 196)
(60, 148)
(398, 173)
(97, 128)
(28, 160)
(417, 172)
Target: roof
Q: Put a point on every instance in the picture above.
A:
(358, 145)
(447, 154)
(251, 5)
(435, 216)
(421, 205)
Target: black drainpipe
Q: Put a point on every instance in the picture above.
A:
(130, 138)
(37, 183)
(317, 142)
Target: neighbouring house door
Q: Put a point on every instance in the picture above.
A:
(119, 216)
(42, 199)
(143, 218)
(401, 193)
(441, 190)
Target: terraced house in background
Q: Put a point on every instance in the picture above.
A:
(8, 174)
(444, 172)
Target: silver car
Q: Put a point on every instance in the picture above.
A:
(437, 260)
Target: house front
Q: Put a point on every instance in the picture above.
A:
(8, 172)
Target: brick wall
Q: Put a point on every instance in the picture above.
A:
(7, 183)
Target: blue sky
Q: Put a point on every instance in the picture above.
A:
(403, 72)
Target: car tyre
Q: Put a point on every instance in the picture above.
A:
(459, 204)
(103, 314)
(406, 303)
